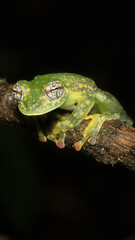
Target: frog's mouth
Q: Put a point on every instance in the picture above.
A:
(17, 91)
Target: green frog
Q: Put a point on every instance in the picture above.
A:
(72, 92)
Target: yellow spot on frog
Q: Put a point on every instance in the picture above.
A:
(81, 113)
(44, 104)
(41, 98)
(80, 85)
(87, 102)
(67, 84)
(23, 106)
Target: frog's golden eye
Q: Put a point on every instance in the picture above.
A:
(17, 91)
(54, 90)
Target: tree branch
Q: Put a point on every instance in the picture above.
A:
(115, 141)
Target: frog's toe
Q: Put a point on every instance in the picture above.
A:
(52, 137)
(78, 146)
(92, 141)
(60, 144)
(42, 138)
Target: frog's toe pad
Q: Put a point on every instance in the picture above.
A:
(60, 144)
(78, 146)
(92, 141)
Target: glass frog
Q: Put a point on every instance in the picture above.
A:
(72, 92)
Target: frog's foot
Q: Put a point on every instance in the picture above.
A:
(91, 140)
(60, 141)
(89, 133)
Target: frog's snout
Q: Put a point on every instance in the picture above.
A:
(17, 91)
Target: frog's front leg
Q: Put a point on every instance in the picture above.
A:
(41, 136)
(77, 116)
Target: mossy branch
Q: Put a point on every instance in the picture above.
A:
(115, 141)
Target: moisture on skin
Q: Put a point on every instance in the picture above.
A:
(73, 92)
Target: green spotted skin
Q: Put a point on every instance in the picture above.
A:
(35, 102)
(73, 92)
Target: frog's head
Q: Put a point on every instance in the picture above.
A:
(39, 97)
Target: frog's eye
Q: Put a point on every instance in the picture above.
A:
(54, 90)
(17, 90)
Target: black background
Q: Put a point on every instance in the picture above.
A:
(47, 193)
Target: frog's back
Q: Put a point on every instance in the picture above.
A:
(71, 80)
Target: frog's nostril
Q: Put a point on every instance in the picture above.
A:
(17, 91)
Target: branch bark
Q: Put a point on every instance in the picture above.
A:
(115, 141)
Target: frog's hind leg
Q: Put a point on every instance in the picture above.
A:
(91, 131)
